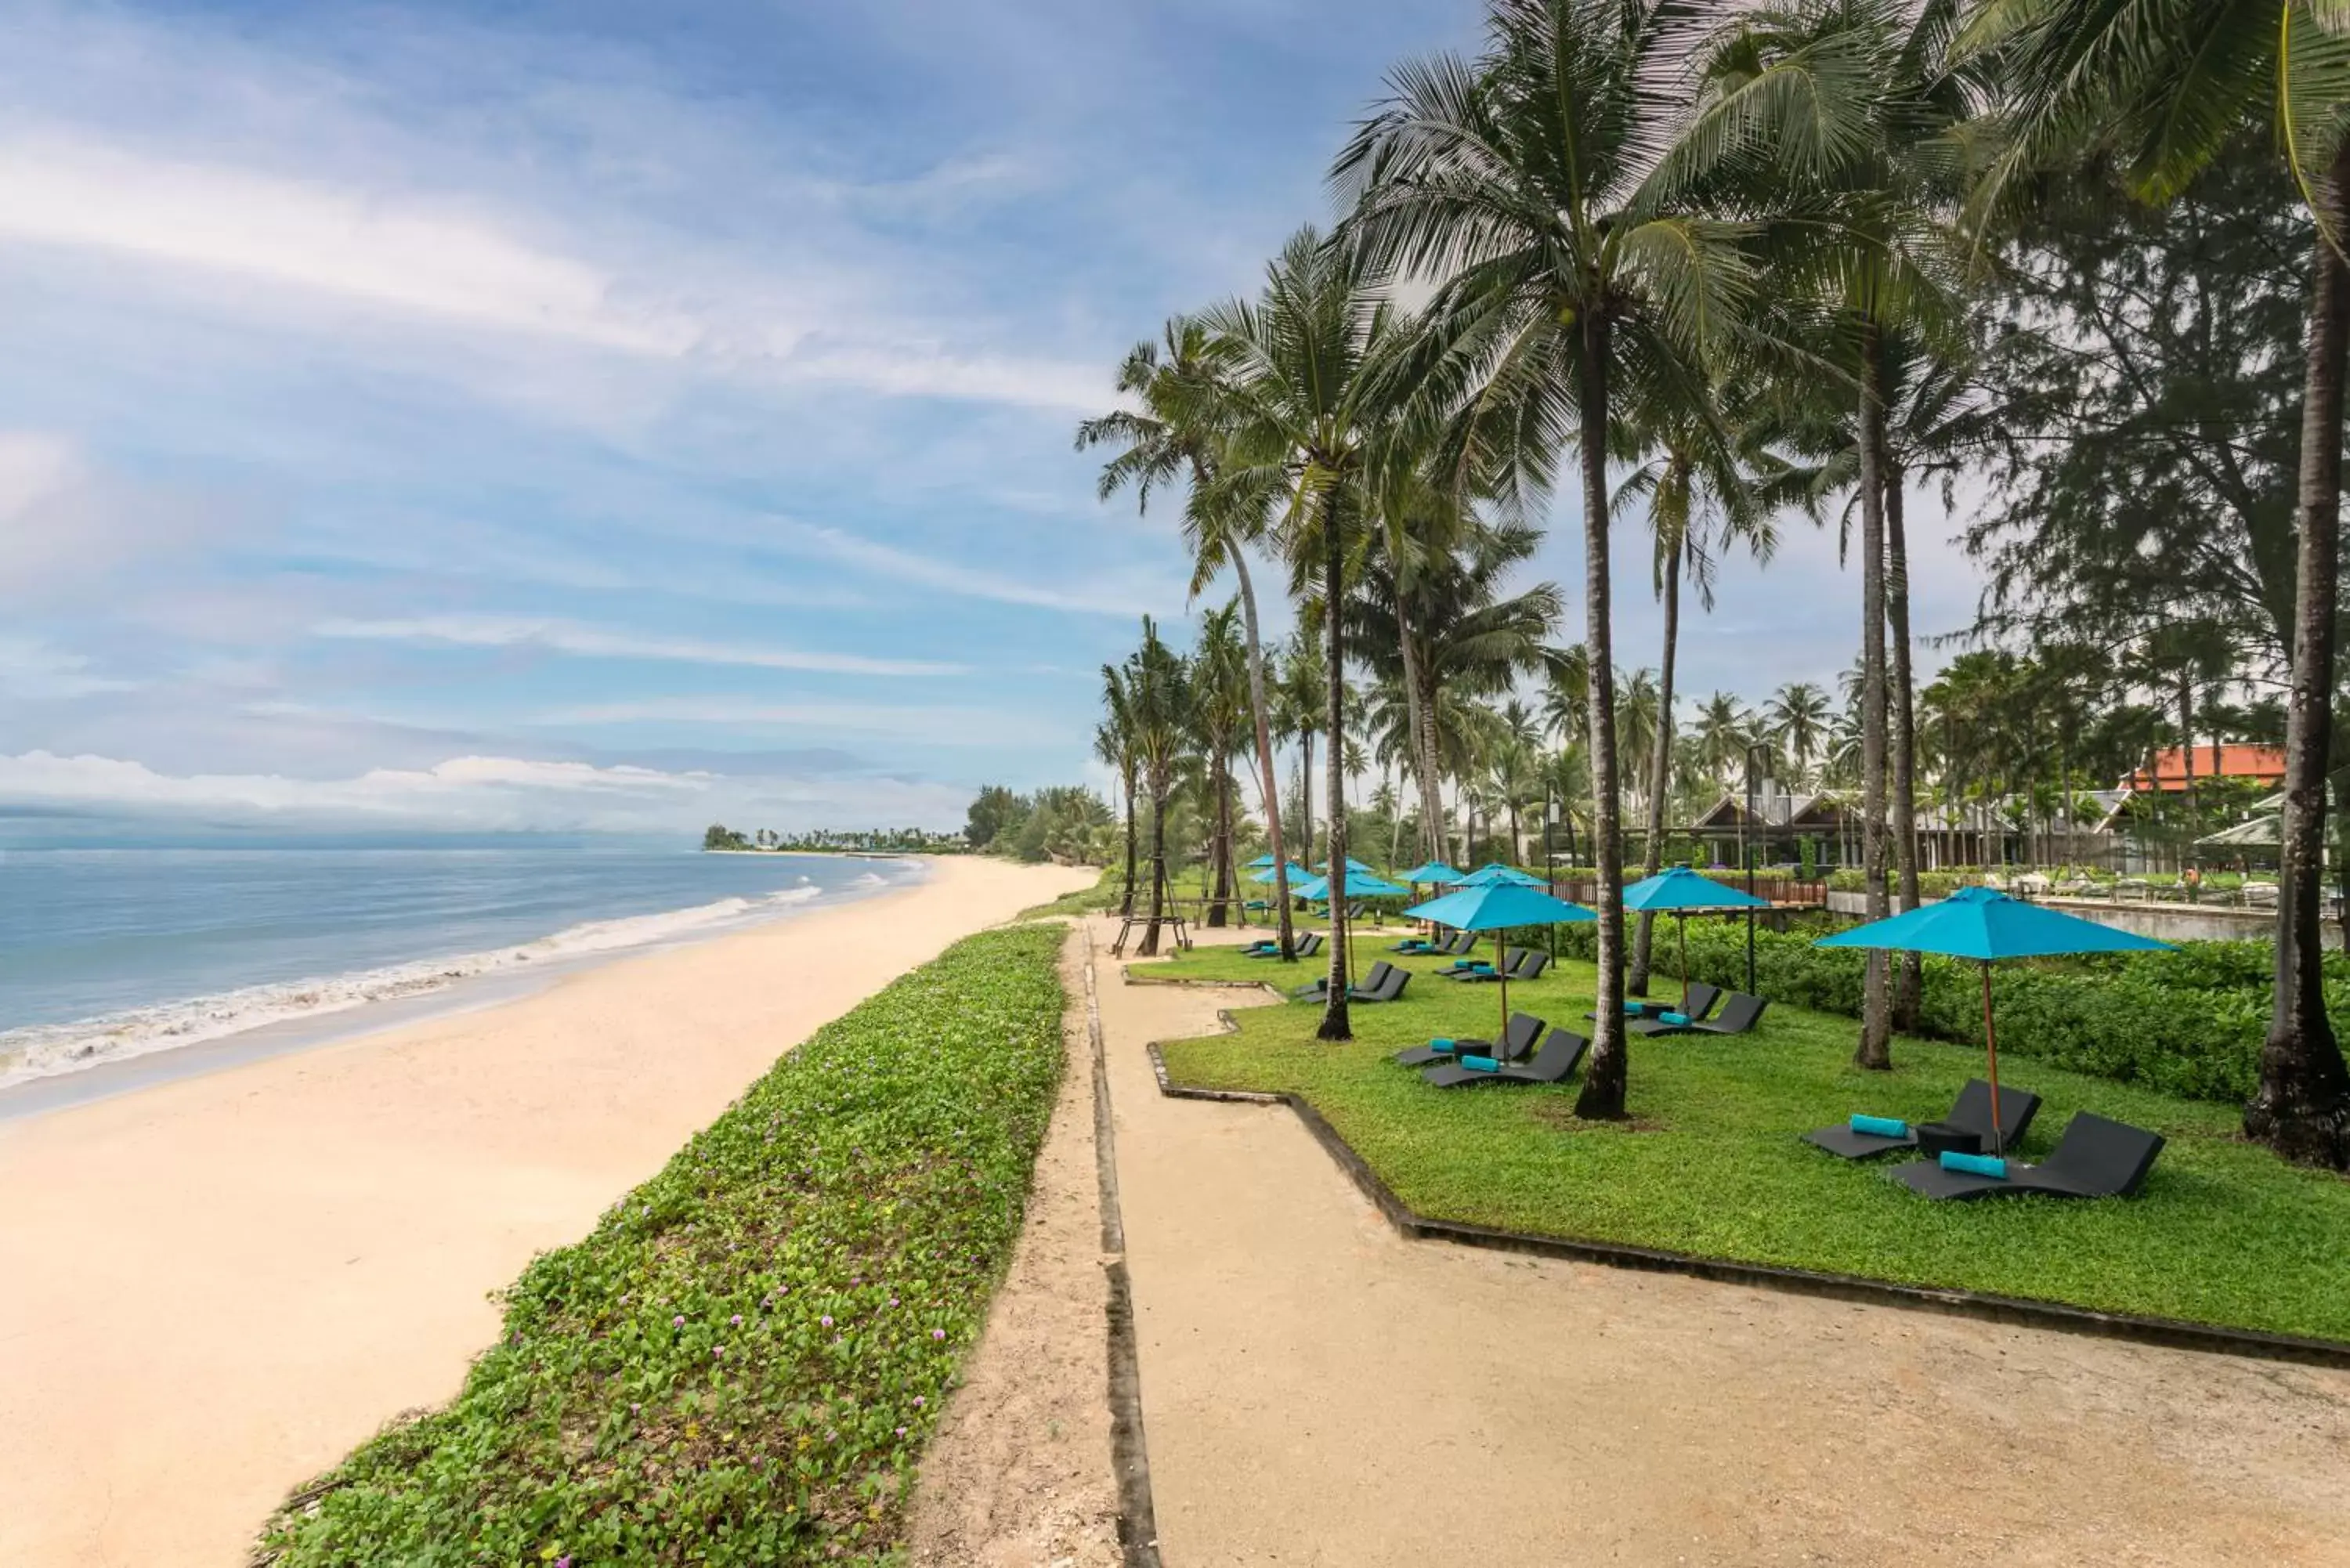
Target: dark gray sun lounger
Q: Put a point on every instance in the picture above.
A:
(1517, 1038)
(1553, 1063)
(1738, 1015)
(1306, 947)
(1701, 998)
(1456, 945)
(1531, 963)
(2096, 1158)
(1970, 1112)
(1384, 983)
(1467, 964)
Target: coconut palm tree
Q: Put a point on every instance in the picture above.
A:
(1857, 115)
(1796, 719)
(2168, 82)
(1158, 683)
(1722, 731)
(1114, 744)
(1695, 489)
(1175, 432)
(1316, 411)
(1220, 714)
(1574, 274)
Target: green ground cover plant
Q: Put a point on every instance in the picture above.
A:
(741, 1363)
(1711, 1162)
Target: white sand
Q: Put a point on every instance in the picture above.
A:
(210, 1290)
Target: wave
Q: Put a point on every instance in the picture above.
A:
(46, 1050)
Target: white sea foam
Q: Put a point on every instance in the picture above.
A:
(42, 1051)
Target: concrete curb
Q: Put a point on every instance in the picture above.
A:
(1138, 1523)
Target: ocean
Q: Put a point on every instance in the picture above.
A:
(108, 955)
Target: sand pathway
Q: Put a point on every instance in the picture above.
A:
(1320, 1391)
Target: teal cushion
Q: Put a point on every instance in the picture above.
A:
(1673, 1017)
(1881, 1127)
(1975, 1164)
(1481, 1064)
(1439, 1044)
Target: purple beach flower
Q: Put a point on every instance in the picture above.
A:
(919, 1401)
(736, 1320)
(677, 1323)
(938, 1334)
(826, 1320)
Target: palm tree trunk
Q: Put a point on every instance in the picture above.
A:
(1335, 1021)
(1305, 791)
(1417, 722)
(1220, 897)
(1125, 904)
(1149, 948)
(1910, 987)
(2187, 738)
(1605, 1076)
(1269, 772)
(1661, 767)
(2302, 1108)
(1874, 1051)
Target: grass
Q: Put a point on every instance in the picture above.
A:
(741, 1363)
(1711, 1163)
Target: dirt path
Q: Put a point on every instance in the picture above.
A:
(1318, 1390)
(1019, 1474)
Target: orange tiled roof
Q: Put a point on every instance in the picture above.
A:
(2262, 765)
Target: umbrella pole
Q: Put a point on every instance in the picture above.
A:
(1681, 921)
(1991, 1044)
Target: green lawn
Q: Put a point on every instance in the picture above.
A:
(1711, 1163)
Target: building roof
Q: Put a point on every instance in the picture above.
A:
(2261, 764)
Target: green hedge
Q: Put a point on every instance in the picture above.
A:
(741, 1363)
(2187, 1023)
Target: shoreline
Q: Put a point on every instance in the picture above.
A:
(494, 983)
(332, 1221)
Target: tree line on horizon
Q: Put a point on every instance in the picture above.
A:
(1730, 266)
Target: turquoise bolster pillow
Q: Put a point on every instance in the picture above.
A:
(1439, 1044)
(1881, 1127)
(1481, 1064)
(1975, 1164)
(1672, 1017)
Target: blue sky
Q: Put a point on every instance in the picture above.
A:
(587, 416)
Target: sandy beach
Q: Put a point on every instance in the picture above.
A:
(214, 1287)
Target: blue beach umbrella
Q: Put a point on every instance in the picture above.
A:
(1371, 887)
(1354, 867)
(1986, 926)
(1497, 907)
(1262, 863)
(1435, 872)
(1494, 872)
(1676, 892)
(1296, 874)
(1312, 888)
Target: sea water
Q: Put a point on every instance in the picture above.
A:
(111, 954)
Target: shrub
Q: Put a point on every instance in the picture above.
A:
(2186, 1022)
(741, 1363)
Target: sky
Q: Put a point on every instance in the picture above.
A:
(577, 416)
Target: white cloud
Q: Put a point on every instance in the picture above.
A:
(459, 262)
(405, 254)
(32, 669)
(970, 582)
(468, 792)
(589, 642)
(938, 726)
(62, 519)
